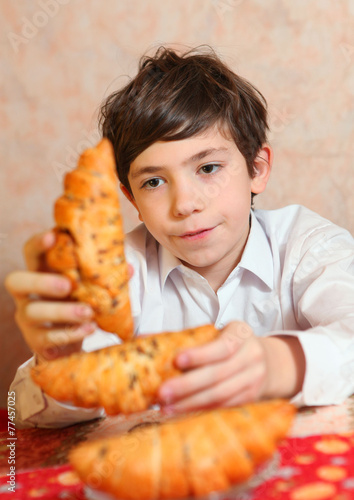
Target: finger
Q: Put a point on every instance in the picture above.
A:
(69, 334)
(54, 351)
(197, 380)
(250, 354)
(243, 397)
(130, 270)
(35, 247)
(200, 379)
(231, 339)
(50, 343)
(23, 283)
(56, 312)
(197, 356)
(241, 386)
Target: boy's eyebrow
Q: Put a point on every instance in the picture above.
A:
(198, 156)
(145, 170)
(203, 154)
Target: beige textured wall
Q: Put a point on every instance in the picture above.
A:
(61, 57)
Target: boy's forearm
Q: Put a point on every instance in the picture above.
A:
(286, 366)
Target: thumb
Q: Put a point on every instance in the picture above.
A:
(35, 248)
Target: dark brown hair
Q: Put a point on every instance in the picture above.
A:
(176, 96)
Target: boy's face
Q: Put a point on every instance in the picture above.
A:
(194, 196)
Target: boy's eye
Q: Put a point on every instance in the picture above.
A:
(211, 168)
(152, 183)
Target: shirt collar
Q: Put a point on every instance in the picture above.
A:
(257, 256)
(167, 263)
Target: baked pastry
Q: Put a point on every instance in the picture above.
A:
(124, 378)
(89, 246)
(189, 456)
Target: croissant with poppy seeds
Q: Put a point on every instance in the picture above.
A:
(89, 247)
(124, 378)
(186, 457)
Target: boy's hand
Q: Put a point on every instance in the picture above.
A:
(51, 325)
(236, 368)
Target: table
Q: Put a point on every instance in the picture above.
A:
(315, 462)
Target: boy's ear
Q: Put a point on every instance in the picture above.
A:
(262, 168)
(130, 197)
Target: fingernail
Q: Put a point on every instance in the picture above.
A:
(182, 360)
(166, 395)
(83, 311)
(168, 410)
(48, 239)
(63, 286)
(89, 327)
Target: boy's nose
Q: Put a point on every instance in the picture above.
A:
(186, 200)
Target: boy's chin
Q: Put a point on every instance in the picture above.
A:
(198, 264)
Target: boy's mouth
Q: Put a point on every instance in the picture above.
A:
(194, 235)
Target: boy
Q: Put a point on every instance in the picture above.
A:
(190, 143)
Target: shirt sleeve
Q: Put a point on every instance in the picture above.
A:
(36, 409)
(323, 297)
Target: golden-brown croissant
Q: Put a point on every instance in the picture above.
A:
(124, 378)
(89, 246)
(188, 456)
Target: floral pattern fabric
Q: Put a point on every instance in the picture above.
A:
(315, 462)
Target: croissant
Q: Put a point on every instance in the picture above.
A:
(124, 378)
(89, 246)
(189, 456)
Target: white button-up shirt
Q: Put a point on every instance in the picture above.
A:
(295, 277)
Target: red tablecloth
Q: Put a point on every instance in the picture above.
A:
(308, 467)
